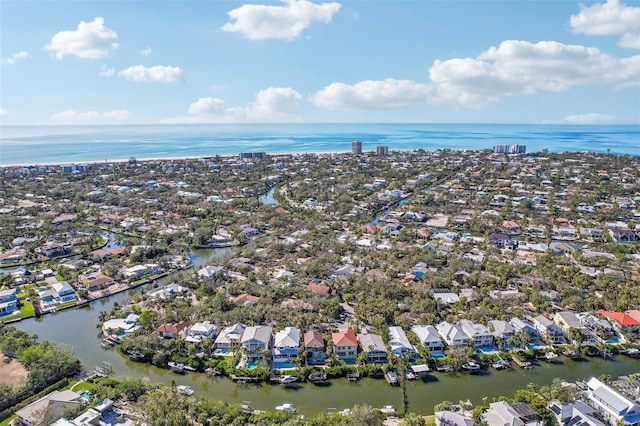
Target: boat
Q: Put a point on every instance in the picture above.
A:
(283, 380)
(632, 352)
(572, 353)
(501, 364)
(136, 356)
(389, 410)
(184, 390)
(318, 379)
(410, 375)
(176, 367)
(392, 378)
(471, 366)
(289, 408)
(550, 356)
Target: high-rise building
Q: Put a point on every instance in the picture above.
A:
(252, 155)
(501, 149)
(518, 149)
(356, 147)
(382, 150)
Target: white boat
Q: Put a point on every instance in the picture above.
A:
(286, 407)
(471, 366)
(184, 390)
(176, 366)
(550, 356)
(287, 379)
(388, 410)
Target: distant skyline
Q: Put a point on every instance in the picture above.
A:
(299, 61)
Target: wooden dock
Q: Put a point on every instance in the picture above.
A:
(520, 363)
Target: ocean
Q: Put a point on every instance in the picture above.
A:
(29, 145)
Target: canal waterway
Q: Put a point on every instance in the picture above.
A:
(77, 329)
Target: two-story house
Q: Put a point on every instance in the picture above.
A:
(453, 335)
(400, 345)
(429, 337)
(373, 346)
(478, 333)
(228, 339)
(285, 345)
(255, 340)
(345, 345)
(200, 331)
(314, 347)
(8, 301)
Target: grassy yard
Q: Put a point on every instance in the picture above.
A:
(26, 311)
(5, 422)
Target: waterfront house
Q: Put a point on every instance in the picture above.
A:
(255, 340)
(64, 292)
(451, 418)
(517, 414)
(345, 345)
(49, 408)
(121, 326)
(314, 347)
(8, 301)
(453, 335)
(548, 329)
(229, 338)
(612, 406)
(373, 346)
(200, 331)
(172, 331)
(137, 272)
(51, 250)
(210, 272)
(428, 336)
(574, 413)
(400, 345)
(478, 333)
(501, 330)
(519, 324)
(568, 320)
(285, 345)
(622, 321)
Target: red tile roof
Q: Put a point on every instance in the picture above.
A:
(619, 317)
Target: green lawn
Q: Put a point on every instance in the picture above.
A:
(5, 422)
(26, 311)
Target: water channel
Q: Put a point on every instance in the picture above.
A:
(77, 328)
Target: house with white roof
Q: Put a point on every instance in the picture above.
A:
(611, 405)
(429, 337)
(374, 347)
(453, 335)
(501, 330)
(49, 408)
(518, 414)
(480, 334)
(121, 326)
(256, 339)
(519, 324)
(65, 293)
(451, 418)
(200, 331)
(210, 272)
(400, 345)
(285, 345)
(574, 413)
(229, 338)
(548, 329)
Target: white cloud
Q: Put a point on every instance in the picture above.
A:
(17, 57)
(261, 22)
(590, 118)
(609, 18)
(74, 117)
(105, 71)
(158, 73)
(146, 52)
(370, 95)
(525, 68)
(92, 40)
(3, 112)
(275, 104)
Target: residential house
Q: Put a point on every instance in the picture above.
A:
(548, 329)
(501, 330)
(478, 333)
(49, 408)
(210, 272)
(65, 293)
(8, 301)
(285, 345)
(517, 414)
(429, 338)
(519, 324)
(453, 335)
(255, 340)
(121, 326)
(451, 418)
(612, 406)
(345, 345)
(172, 331)
(229, 338)
(502, 241)
(137, 272)
(623, 322)
(374, 347)
(574, 413)
(622, 235)
(568, 320)
(400, 345)
(200, 331)
(314, 347)
(55, 249)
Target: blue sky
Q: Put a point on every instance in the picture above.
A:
(312, 61)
